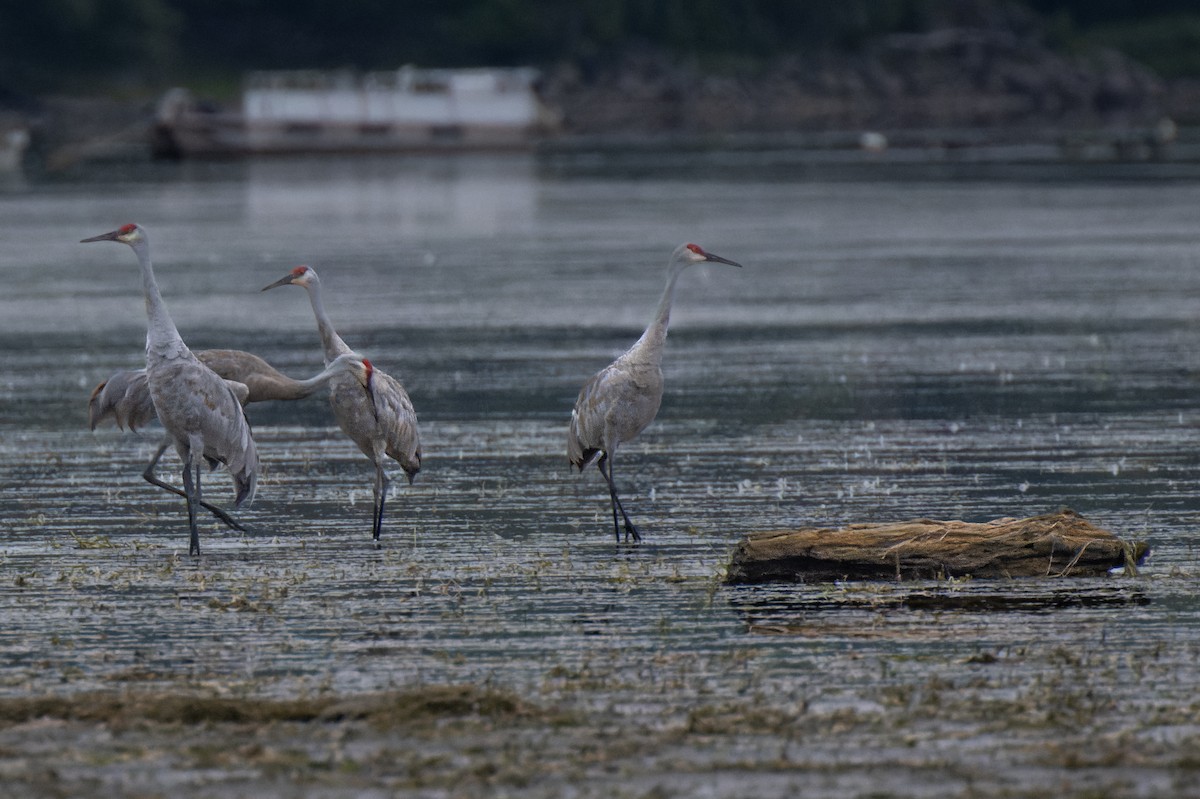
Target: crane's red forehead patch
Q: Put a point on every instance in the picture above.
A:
(696, 248)
(299, 270)
(127, 229)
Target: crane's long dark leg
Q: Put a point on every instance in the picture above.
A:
(630, 530)
(612, 495)
(192, 486)
(381, 489)
(153, 480)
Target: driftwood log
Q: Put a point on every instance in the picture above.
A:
(1056, 544)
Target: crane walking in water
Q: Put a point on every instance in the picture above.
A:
(125, 397)
(381, 420)
(619, 401)
(200, 411)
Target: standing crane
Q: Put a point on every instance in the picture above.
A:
(125, 397)
(200, 411)
(381, 420)
(620, 400)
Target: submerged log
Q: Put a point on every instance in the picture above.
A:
(1060, 544)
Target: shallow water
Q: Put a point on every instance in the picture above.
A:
(950, 348)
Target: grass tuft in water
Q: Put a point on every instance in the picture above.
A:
(385, 710)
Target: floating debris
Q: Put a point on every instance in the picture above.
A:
(1060, 544)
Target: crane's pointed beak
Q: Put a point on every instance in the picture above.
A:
(110, 236)
(708, 256)
(286, 280)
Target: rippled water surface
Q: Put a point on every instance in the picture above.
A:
(892, 349)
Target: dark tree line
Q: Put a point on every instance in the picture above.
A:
(51, 45)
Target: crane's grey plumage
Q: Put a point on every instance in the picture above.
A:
(620, 400)
(198, 409)
(380, 420)
(125, 397)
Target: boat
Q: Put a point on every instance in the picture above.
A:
(405, 110)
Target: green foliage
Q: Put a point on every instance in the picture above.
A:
(57, 44)
(1094, 13)
(51, 42)
(1169, 45)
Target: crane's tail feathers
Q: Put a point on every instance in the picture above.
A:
(579, 455)
(247, 485)
(409, 462)
(416, 467)
(583, 459)
(244, 469)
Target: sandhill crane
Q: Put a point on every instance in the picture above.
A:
(381, 421)
(125, 397)
(620, 400)
(199, 410)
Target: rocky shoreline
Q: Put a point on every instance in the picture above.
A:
(945, 79)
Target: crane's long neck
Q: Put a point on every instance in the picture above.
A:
(655, 338)
(299, 389)
(162, 337)
(330, 340)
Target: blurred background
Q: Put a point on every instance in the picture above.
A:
(91, 73)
